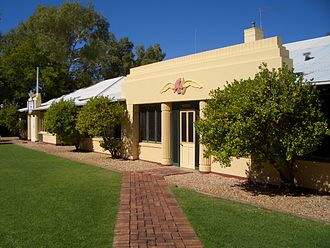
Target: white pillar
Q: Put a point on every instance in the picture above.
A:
(204, 163)
(36, 103)
(166, 134)
(28, 126)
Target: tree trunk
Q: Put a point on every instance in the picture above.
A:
(287, 178)
(285, 171)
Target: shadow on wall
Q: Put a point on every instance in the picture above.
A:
(126, 134)
(86, 145)
(313, 174)
(308, 174)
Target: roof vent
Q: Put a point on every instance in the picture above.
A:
(308, 56)
(299, 73)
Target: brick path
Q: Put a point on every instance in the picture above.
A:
(149, 215)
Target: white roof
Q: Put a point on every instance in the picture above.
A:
(109, 88)
(316, 68)
(23, 110)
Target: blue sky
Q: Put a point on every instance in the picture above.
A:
(183, 27)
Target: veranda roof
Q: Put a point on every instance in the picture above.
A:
(109, 88)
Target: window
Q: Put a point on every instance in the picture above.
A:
(187, 126)
(184, 127)
(150, 123)
(191, 127)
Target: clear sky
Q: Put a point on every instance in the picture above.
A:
(187, 26)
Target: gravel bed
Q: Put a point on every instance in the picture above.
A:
(303, 204)
(98, 159)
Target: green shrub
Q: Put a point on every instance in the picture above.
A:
(9, 118)
(102, 117)
(60, 119)
(274, 117)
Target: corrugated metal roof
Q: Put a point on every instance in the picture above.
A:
(109, 88)
(312, 58)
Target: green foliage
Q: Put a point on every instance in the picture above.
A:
(151, 55)
(22, 128)
(118, 59)
(8, 118)
(71, 29)
(60, 119)
(274, 117)
(79, 32)
(101, 117)
(73, 47)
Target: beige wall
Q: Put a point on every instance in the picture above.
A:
(92, 144)
(211, 69)
(150, 152)
(48, 138)
(308, 174)
(238, 168)
(315, 175)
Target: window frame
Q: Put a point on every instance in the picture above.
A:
(145, 115)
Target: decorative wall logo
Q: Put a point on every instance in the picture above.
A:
(180, 86)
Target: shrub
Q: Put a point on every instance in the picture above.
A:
(60, 119)
(103, 117)
(9, 118)
(274, 117)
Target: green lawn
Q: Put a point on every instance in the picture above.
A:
(221, 223)
(46, 201)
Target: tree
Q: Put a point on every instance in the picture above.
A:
(101, 117)
(151, 55)
(18, 72)
(273, 118)
(73, 36)
(73, 48)
(60, 119)
(118, 59)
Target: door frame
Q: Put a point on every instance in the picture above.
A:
(175, 130)
(187, 138)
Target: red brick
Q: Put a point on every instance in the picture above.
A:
(149, 215)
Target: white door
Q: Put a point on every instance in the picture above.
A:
(187, 139)
(33, 128)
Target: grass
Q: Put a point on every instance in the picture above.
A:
(46, 201)
(222, 223)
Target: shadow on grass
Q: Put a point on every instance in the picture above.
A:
(276, 190)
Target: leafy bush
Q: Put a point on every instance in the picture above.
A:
(22, 128)
(60, 119)
(101, 117)
(274, 117)
(9, 118)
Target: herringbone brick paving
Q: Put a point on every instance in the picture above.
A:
(149, 215)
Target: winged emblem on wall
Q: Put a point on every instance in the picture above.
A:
(180, 86)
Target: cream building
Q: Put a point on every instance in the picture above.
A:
(164, 99)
